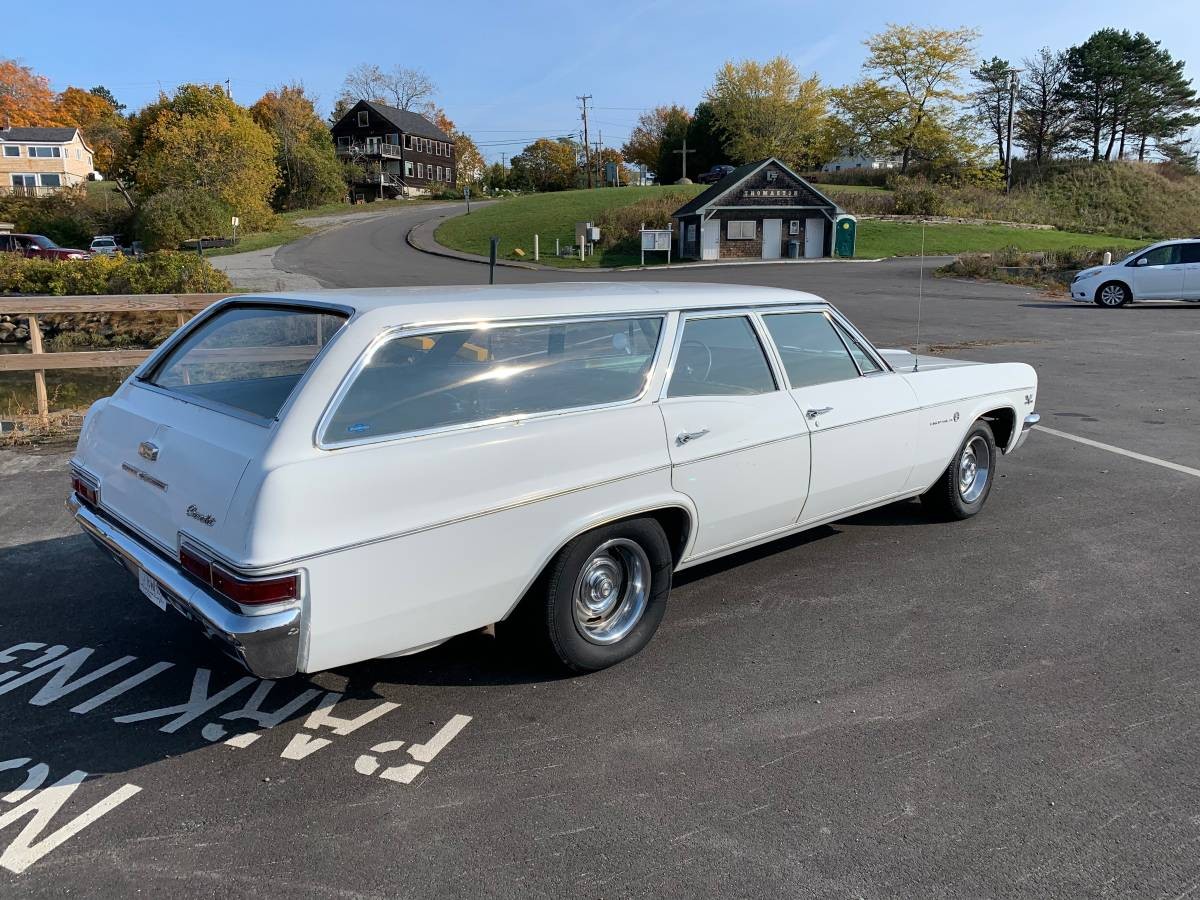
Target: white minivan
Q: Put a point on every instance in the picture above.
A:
(1168, 270)
(324, 478)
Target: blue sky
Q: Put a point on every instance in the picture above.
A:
(509, 72)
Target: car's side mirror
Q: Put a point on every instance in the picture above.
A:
(1142, 261)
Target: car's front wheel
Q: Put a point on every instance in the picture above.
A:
(1112, 294)
(603, 596)
(965, 485)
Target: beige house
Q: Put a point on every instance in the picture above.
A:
(40, 161)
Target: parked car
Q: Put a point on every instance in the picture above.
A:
(37, 246)
(319, 479)
(1168, 270)
(106, 244)
(713, 175)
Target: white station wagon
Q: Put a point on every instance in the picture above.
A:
(325, 478)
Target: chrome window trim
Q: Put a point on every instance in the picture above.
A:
(398, 332)
(139, 377)
(747, 312)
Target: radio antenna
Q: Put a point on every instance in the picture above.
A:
(920, 298)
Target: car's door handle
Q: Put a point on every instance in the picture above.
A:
(813, 413)
(685, 436)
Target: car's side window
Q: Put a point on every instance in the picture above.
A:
(810, 348)
(1162, 256)
(720, 356)
(1191, 252)
(440, 380)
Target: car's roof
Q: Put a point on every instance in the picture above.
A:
(475, 303)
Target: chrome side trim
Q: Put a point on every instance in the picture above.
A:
(268, 645)
(445, 523)
(798, 436)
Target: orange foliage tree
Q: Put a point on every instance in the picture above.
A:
(25, 97)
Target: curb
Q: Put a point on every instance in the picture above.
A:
(420, 237)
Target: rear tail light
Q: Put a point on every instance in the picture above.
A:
(235, 586)
(85, 490)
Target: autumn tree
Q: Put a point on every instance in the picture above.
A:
(768, 109)
(201, 140)
(105, 94)
(309, 171)
(907, 102)
(469, 163)
(658, 131)
(25, 97)
(1043, 122)
(103, 128)
(547, 165)
(704, 135)
(403, 88)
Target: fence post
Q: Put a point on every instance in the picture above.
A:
(39, 375)
(536, 255)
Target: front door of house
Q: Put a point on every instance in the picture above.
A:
(710, 239)
(772, 238)
(814, 238)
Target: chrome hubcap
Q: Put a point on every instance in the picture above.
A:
(974, 469)
(612, 591)
(1112, 296)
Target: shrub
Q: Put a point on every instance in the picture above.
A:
(72, 216)
(917, 197)
(157, 273)
(173, 216)
(619, 225)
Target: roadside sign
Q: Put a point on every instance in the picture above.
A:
(236, 221)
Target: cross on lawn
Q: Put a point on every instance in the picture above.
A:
(684, 152)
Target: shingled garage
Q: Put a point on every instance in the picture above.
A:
(753, 213)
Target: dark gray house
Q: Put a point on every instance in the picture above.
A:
(401, 153)
(754, 212)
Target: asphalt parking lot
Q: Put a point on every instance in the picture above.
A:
(887, 706)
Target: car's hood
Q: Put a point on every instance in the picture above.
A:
(904, 361)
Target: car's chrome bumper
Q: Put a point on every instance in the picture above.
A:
(1026, 427)
(267, 644)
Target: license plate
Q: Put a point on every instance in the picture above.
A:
(151, 589)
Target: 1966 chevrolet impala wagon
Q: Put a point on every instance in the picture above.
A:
(320, 479)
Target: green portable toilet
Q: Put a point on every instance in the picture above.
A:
(844, 230)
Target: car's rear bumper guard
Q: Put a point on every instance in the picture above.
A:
(267, 644)
(1026, 427)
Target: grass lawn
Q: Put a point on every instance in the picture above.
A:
(515, 221)
(878, 238)
(554, 215)
(288, 227)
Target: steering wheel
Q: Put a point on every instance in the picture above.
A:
(695, 356)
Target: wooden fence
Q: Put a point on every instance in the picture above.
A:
(39, 361)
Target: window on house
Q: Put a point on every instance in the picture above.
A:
(741, 230)
(343, 141)
(50, 179)
(439, 173)
(394, 139)
(24, 180)
(12, 151)
(364, 118)
(420, 170)
(408, 168)
(45, 152)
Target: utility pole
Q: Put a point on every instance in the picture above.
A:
(684, 152)
(1012, 103)
(587, 150)
(227, 93)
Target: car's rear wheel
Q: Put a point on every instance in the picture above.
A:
(964, 487)
(602, 597)
(1112, 294)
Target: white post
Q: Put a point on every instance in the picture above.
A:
(535, 248)
(1108, 257)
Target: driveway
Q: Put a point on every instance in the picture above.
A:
(887, 706)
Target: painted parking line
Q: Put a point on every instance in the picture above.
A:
(1153, 460)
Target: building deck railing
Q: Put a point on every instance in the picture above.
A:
(388, 151)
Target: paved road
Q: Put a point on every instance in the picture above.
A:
(883, 707)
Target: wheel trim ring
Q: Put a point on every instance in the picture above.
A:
(611, 592)
(974, 469)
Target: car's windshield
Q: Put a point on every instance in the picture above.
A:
(248, 357)
(44, 242)
(1135, 253)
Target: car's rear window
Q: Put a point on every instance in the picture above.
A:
(247, 357)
